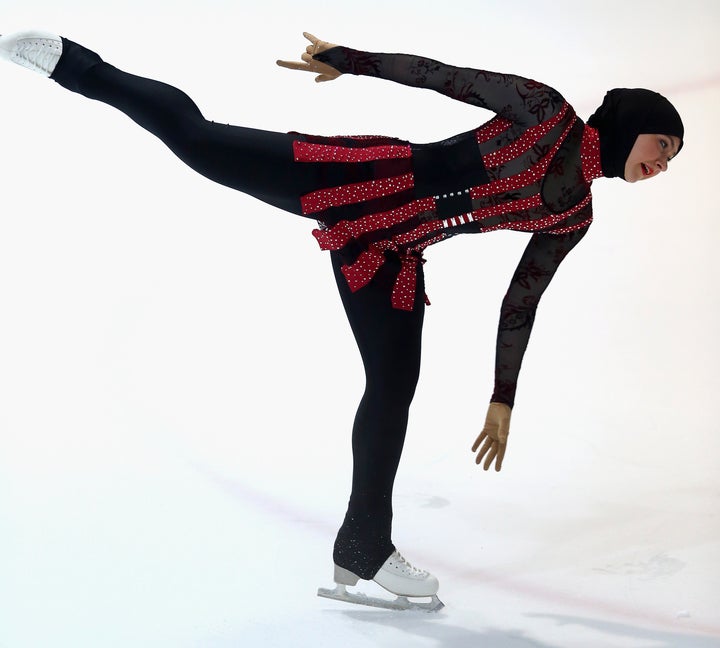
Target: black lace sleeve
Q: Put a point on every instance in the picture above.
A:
(536, 269)
(521, 100)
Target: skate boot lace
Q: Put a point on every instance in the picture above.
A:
(412, 570)
(37, 53)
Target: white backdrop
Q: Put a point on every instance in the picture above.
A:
(177, 379)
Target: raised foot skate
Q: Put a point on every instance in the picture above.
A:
(38, 51)
(398, 577)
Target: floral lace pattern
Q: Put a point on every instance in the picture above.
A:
(556, 207)
(518, 99)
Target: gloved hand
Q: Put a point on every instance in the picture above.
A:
(493, 439)
(325, 72)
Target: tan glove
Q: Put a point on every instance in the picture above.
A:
(493, 439)
(325, 72)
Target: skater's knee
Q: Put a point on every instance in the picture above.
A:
(396, 379)
(395, 396)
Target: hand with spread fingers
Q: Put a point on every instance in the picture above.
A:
(325, 72)
(492, 441)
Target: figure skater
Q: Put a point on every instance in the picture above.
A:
(379, 202)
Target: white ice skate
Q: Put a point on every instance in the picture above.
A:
(398, 577)
(36, 50)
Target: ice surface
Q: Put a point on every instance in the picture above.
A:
(177, 381)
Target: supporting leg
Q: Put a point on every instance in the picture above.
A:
(389, 341)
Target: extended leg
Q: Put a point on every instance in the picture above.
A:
(389, 341)
(259, 163)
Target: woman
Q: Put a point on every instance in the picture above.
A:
(380, 202)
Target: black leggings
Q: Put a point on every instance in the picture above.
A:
(260, 163)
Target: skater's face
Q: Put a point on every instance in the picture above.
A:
(650, 156)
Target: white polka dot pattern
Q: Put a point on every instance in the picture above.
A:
(542, 223)
(409, 229)
(363, 270)
(340, 235)
(526, 141)
(321, 199)
(308, 152)
(496, 126)
(590, 154)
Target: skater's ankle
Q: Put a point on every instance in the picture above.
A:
(74, 64)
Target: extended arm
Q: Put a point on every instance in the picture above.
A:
(512, 97)
(536, 269)
(521, 100)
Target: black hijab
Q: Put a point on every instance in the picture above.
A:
(626, 113)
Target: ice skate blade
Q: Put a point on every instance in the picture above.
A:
(340, 593)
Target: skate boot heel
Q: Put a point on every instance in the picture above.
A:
(345, 577)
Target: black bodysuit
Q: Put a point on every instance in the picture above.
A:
(380, 202)
(528, 169)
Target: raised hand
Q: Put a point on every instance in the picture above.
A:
(324, 72)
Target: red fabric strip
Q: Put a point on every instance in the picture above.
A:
(403, 294)
(543, 223)
(307, 152)
(572, 228)
(361, 272)
(590, 154)
(525, 141)
(492, 129)
(340, 234)
(321, 199)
